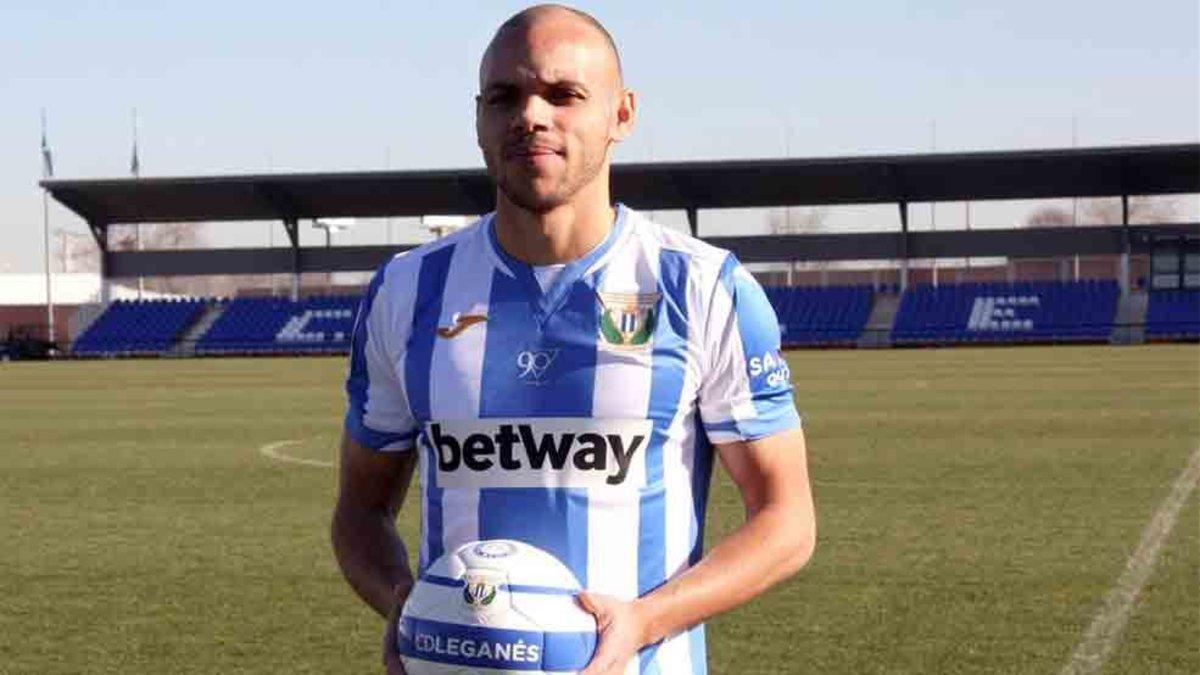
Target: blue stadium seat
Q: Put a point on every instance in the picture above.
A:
(832, 315)
(138, 327)
(279, 326)
(1174, 314)
(988, 312)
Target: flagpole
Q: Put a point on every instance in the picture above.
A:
(47, 172)
(933, 205)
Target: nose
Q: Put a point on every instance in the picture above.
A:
(533, 114)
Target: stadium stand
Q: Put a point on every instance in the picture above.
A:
(1039, 311)
(138, 327)
(1174, 314)
(276, 326)
(820, 316)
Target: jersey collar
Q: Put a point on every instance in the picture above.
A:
(547, 302)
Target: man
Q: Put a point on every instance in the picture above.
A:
(562, 326)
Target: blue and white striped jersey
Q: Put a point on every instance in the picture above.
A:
(580, 419)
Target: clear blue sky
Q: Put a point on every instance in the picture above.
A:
(225, 87)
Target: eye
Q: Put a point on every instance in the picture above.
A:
(499, 97)
(564, 96)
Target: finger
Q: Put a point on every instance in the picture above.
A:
(586, 602)
(605, 660)
(391, 661)
(391, 651)
(602, 664)
(596, 605)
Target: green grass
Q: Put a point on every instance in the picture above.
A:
(975, 506)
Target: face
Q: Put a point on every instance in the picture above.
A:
(550, 105)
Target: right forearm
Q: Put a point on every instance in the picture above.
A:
(372, 557)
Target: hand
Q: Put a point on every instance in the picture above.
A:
(622, 632)
(391, 655)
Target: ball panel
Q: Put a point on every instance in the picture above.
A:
(495, 607)
(430, 668)
(525, 564)
(553, 613)
(496, 648)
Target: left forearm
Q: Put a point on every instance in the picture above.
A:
(771, 545)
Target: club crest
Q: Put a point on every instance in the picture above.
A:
(479, 594)
(480, 590)
(627, 320)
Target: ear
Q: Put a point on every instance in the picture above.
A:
(626, 115)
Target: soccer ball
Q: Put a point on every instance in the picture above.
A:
(497, 606)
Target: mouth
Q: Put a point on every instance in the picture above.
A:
(531, 152)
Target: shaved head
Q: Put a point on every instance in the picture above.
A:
(521, 22)
(551, 104)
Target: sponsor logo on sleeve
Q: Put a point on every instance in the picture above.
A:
(770, 368)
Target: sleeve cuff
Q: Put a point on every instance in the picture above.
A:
(379, 441)
(729, 431)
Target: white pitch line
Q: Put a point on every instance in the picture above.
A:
(1105, 630)
(272, 450)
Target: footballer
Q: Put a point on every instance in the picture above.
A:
(566, 373)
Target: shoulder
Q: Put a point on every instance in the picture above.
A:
(715, 274)
(705, 262)
(391, 296)
(698, 251)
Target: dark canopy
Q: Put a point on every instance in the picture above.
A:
(899, 179)
(1086, 172)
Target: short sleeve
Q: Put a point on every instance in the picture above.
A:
(745, 388)
(377, 414)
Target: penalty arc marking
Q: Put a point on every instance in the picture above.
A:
(272, 450)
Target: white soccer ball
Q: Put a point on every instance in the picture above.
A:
(497, 606)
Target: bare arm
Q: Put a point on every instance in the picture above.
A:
(371, 488)
(775, 541)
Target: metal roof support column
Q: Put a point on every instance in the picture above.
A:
(100, 234)
(903, 246)
(50, 334)
(693, 217)
(1123, 276)
(293, 232)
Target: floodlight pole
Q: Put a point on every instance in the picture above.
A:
(933, 205)
(329, 227)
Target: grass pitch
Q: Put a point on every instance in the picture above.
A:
(975, 506)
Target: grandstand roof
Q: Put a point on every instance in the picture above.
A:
(1083, 172)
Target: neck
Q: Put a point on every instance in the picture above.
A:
(560, 235)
